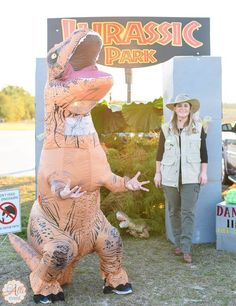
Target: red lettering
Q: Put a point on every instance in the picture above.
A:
(219, 211)
(164, 31)
(233, 212)
(188, 34)
(137, 56)
(112, 33)
(149, 56)
(134, 31)
(226, 213)
(125, 56)
(68, 26)
(134, 56)
(97, 27)
(177, 35)
(153, 35)
(111, 55)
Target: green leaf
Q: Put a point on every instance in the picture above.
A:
(144, 117)
(106, 121)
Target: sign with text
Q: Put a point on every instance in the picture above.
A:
(10, 220)
(226, 226)
(138, 41)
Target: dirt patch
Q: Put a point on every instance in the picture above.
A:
(158, 277)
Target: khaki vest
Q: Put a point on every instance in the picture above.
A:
(190, 156)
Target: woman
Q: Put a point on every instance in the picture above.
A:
(181, 167)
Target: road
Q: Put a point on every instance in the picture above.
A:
(17, 153)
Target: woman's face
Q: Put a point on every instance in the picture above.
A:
(182, 109)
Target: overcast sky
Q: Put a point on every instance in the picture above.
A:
(23, 27)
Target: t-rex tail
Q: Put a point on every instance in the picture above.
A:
(30, 256)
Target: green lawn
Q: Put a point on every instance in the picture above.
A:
(158, 277)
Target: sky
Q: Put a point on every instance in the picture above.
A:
(23, 27)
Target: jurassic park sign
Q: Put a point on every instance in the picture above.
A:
(138, 41)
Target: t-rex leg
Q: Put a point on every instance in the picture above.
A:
(66, 275)
(109, 248)
(58, 255)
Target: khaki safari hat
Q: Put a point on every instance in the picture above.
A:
(195, 104)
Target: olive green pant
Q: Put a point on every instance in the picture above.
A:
(181, 204)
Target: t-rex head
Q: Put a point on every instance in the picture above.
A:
(81, 50)
(73, 76)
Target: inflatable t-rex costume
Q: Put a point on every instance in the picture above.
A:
(66, 222)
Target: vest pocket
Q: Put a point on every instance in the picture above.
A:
(193, 158)
(169, 145)
(168, 169)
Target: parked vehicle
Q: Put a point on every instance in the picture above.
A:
(228, 153)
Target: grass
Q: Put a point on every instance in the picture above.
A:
(158, 277)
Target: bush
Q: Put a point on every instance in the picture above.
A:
(127, 156)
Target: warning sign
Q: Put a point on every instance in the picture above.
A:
(8, 211)
(10, 221)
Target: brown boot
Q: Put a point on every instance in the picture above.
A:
(178, 252)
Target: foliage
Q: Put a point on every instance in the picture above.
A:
(127, 155)
(144, 117)
(5, 105)
(106, 121)
(127, 158)
(16, 104)
(131, 118)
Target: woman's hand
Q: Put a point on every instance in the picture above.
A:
(133, 184)
(71, 193)
(157, 179)
(203, 174)
(203, 178)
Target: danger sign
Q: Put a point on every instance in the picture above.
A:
(10, 221)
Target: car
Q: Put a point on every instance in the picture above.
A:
(228, 153)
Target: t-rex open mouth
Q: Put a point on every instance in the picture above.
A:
(80, 50)
(86, 53)
(73, 76)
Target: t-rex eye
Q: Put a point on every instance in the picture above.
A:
(53, 56)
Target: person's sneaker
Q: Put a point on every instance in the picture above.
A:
(121, 289)
(45, 300)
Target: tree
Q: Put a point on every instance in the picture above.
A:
(19, 105)
(5, 104)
